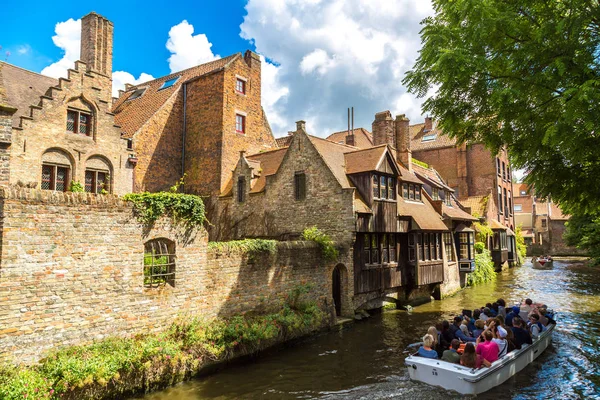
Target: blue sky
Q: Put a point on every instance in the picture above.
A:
(328, 54)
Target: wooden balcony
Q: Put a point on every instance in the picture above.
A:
(430, 272)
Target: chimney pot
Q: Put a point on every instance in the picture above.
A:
(383, 129)
(428, 123)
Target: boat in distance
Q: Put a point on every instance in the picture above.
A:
(543, 262)
(465, 380)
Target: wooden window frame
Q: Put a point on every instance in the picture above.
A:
(54, 182)
(383, 187)
(506, 210)
(391, 187)
(371, 249)
(447, 238)
(435, 193)
(411, 191)
(448, 198)
(405, 190)
(77, 122)
(418, 196)
(300, 186)
(375, 186)
(240, 82)
(240, 123)
(412, 251)
(94, 187)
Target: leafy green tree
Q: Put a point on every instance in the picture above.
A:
(524, 74)
(583, 231)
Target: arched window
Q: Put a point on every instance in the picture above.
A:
(159, 263)
(80, 117)
(56, 170)
(97, 175)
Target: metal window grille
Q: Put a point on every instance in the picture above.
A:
(62, 176)
(159, 263)
(90, 178)
(71, 121)
(83, 123)
(47, 177)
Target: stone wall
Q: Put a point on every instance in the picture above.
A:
(71, 272)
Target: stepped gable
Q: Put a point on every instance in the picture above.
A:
(362, 138)
(23, 88)
(441, 140)
(131, 115)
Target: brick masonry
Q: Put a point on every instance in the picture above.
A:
(72, 271)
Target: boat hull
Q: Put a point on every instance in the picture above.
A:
(471, 381)
(544, 264)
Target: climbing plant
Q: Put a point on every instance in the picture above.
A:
(323, 240)
(245, 245)
(186, 208)
(76, 187)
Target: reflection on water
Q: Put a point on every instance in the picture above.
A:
(367, 360)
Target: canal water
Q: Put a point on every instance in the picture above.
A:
(366, 361)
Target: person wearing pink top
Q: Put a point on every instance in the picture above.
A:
(488, 349)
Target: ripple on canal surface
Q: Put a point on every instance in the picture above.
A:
(367, 361)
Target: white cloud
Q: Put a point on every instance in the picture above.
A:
(120, 78)
(23, 49)
(336, 54)
(188, 49)
(67, 38)
(272, 92)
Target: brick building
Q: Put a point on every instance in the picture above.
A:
(394, 242)
(195, 122)
(53, 131)
(481, 182)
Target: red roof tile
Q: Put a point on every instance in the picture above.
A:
(284, 141)
(364, 160)
(269, 164)
(362, 138)
(132, 115)
(417, 132)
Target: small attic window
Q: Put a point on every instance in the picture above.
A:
(136, 94)
(169, 83)
(429, 137)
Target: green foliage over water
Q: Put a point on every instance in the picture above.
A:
(583, 231)
(521, 247)
(484, 266)
(115, 366)
(330, 252)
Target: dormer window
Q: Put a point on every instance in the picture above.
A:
(435, 193)
(168, 83)
(447, 198)
(384, 187)
(136, 94)
(79, 122)
(430, 137)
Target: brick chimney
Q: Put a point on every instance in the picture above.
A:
(300, 126)
(428, 124)
(350, 139)
(403, 151)
(97, 43)
(383, 129)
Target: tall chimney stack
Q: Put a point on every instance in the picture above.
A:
(403, 150)
(97, 43)
(383, 129)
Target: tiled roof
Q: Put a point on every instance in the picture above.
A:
(418, 131)
(365, 159)
(497, 225)
(476, 203)
(456, 211)
(362, 138)
(23, 88)
(284, 141)
(132, 115)
(333, 154)
(423, 214)
(431, 175)
(269, 164)
(407, 176)
(556, 213)
(518, 187)
(359, 204)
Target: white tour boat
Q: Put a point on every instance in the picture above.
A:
(475, 381)
(544, 262)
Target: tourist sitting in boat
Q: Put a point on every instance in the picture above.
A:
(447, 334)
(535, 326)
(458, 334)
(501, 307)
(521, 335)
(437, 340)
(426, 350)
(526, 308)
(471, 359)
(485, 314)
(464, 327)
(451, 355)
(514, 313)
(488, 349)
(499, 337)
(479, 328)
